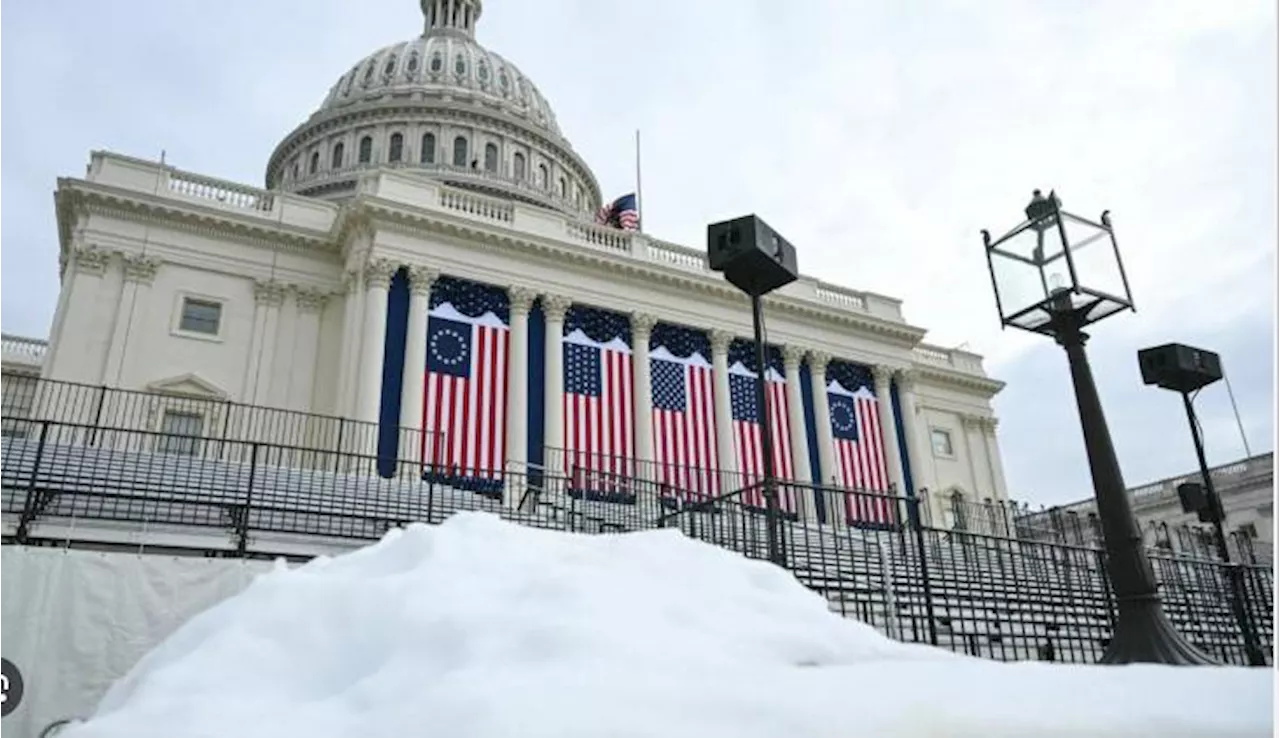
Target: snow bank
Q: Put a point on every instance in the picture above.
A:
(482, 628)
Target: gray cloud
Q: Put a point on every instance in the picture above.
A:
(879, 136)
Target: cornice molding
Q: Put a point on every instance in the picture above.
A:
(77, 198)
(982, 386)
(395, 217)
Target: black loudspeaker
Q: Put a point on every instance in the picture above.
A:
(753, 257)
(1174, 366)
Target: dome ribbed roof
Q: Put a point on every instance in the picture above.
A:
(443, 63)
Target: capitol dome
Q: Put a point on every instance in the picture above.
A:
(443, 106)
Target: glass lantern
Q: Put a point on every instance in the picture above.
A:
(1056, 264)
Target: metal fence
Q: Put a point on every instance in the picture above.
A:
(1011, 519)
(990, 595)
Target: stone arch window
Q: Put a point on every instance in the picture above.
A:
(459, 65)
(491, 157)
(395, 150)
(294, 173)
(428, 153)
(517, 165)
(390, 67)
(460, 151)
(351, 79)
(338, 152)
(412, 66)
(504, 83)
(368, 73)
(366, 149)
(437, 63)
(543, 177)
(564, 188)
(482, 71)
(314, 165)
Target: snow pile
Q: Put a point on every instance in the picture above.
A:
(482, 628)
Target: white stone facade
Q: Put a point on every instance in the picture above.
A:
(300, 277)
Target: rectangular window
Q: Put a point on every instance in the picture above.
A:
(181, 432)
(941, 442)
(200, 316)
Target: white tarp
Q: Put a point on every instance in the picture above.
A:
(76, 621)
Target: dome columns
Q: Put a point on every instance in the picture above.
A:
(450, 15)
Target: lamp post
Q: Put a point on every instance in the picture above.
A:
(1055, 274)
(1187, 370)
(756, 260)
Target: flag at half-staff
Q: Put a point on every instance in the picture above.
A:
(623, 213)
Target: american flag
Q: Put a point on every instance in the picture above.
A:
(747, 445)
(621, 213)
(684, 413)
(464, 414)
(598, 429)
(859, 452)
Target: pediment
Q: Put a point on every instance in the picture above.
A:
(188, 385)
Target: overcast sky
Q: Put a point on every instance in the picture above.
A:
(880, 137)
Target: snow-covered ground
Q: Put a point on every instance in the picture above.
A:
(479, 627)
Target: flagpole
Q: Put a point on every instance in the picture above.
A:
(639, 200)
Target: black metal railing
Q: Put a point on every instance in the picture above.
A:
(871, 555)
(988, 595)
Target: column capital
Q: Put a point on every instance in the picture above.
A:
(554, 307)
(139, 268)
(907, 379)
(350, 280)
(91, 260)
(792, 356)
(269, 292)
(421, 278)
(818, 361)
(643, 323)
(520, 299)
(883, 374)
(378, 273)
(310, 300)
(981, 422)
(720, 341)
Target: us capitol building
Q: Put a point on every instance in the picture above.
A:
(424, 263)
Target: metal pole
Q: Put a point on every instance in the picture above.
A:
(1143, 632)
(766, 435)
(1236, 584)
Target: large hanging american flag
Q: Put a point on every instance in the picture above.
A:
(684, 412)
(747, 445)
(598, 424)
(859, 449)
(464, 412)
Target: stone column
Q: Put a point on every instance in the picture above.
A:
(889, 427)
(311, 304)
(642, 396)
(818, 362)
(911, 428)
(554, 308)
(724, 411)
(79, 307)
(970, 425)
(412, 389)
(791, 358)
(521, 301)
(993, 458)
(139, 272)
(269, 296)
(344, 404)
(377, 283)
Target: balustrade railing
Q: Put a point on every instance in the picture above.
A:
(22, 349)
(226, 193)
